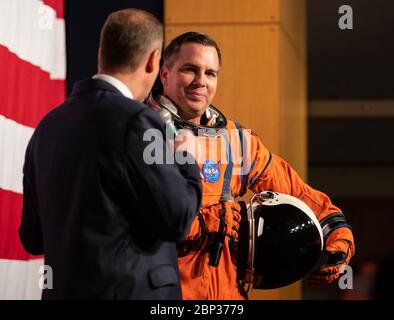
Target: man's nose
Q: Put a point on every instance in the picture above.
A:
(200, 79)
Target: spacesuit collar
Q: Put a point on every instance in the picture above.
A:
(213, 118)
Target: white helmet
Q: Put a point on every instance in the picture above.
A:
(280, 241)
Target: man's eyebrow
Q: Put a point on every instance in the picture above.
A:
(192, 65)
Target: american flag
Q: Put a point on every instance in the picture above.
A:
(32, 82)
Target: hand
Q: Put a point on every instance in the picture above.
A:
(331, 270)
(232, 218)
(211, 216)
(338, 252)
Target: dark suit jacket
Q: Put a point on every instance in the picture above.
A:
(106, 221)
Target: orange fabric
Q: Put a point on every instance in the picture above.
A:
(211, 216)
(263, 172)
(198, 279)
(233, 217)
(203, 282)
(341, 240)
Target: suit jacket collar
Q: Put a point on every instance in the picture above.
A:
(93, 85)
(118, 84)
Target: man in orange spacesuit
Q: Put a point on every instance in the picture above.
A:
(234, 160)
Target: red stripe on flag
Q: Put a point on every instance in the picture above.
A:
(27, 93)
(10, 219)
(57, 5)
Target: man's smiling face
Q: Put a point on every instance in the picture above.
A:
(190, 79)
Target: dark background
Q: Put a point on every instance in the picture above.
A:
(354, 64)
(352, 157)
(84, 20)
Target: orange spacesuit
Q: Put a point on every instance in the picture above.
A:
(234, 161)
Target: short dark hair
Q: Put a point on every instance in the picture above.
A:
(189, 37)
(126, 36)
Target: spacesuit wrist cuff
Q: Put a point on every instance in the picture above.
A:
(333, 222)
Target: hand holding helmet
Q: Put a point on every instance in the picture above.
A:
(338, 249)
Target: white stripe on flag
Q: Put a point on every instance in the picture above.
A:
(20, 279)
(14, 138)
(30, 29)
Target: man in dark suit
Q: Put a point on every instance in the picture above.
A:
(106, 221)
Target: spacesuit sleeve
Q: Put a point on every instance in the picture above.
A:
(277, 175)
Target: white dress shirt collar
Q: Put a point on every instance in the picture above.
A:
(116, 83)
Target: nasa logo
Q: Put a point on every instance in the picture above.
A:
(211, 171)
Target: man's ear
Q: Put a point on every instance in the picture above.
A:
(164, 75)
(153, 61)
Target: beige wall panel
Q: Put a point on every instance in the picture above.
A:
(248, 81)
(292, 292)
(293, 107)
(265, 294)
(292, 16)
(220, 11)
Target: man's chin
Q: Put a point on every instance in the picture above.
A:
(197, 107)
